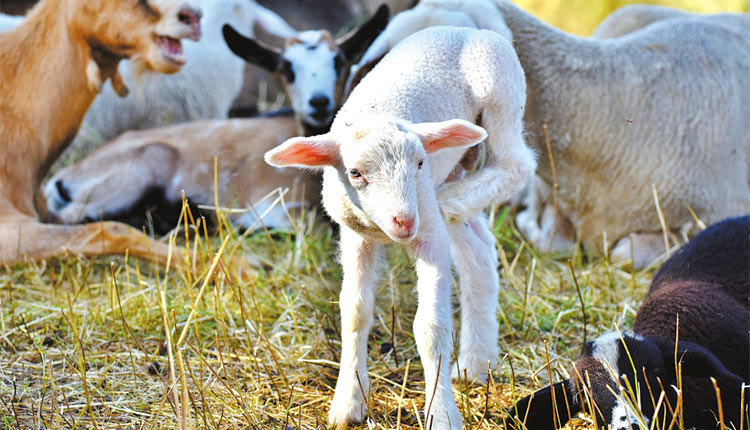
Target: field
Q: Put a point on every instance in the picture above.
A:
(118, 343)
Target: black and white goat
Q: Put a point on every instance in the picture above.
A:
(700, 297)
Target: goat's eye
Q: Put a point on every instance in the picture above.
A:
(419, 165)
(354, 173)
(286, 70)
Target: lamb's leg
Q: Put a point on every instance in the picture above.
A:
(359, 260)
(644, 248)
(433, 327)
(476, 260)
(509, 166)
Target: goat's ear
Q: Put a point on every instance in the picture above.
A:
(357, 40)
(316, 151)
(454, 133)
(251, 50)
(549, 408)
(696, 360)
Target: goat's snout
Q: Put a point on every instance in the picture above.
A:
(191, 17)
(60, 196)
(321, 105)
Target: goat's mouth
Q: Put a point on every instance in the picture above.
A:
(171, 49)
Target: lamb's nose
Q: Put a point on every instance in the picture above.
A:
(404, 224)
(191, 17)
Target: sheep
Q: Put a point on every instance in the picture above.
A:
(311, 64)
(180, 158)
(697, 313)
(392, 173)
(633, 17)
(625, 113)
(46, 60)
(429, 13)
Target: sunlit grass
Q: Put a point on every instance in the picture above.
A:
(118, 343)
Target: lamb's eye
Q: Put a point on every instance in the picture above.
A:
(419, 165)
(354, 173)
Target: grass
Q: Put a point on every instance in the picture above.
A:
(118, 343)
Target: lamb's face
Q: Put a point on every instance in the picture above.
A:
(384, 166)
(610, 359)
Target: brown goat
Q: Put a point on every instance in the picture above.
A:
(169, 160)
(51, 69)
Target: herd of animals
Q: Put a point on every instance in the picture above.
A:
(621, 143)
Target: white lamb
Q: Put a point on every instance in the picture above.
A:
(417, 108)
(206, 87)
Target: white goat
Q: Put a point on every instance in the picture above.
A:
(428, 13)
(421, 98)
(666, 105)
(205, 88)
(312, 66)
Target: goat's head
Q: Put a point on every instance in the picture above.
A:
(382, 165)
(311, 65)
(613, 375)
(145, 30)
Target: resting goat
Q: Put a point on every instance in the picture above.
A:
(697, 314)
(392, 173)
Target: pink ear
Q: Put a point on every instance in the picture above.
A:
(314, 151)
(454, 133)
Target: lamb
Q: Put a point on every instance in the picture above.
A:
(392, 173)
(311, 65)
(177, 158)
(704, 291)
(47, 59)
(610, 105)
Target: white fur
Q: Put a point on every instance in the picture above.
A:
(9, 22)
(432, 85)
(429, 13)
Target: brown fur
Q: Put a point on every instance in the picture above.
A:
(45, 89)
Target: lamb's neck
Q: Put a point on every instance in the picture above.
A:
(44, 73)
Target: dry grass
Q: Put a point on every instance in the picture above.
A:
(118, 343)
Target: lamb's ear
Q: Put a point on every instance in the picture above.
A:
(454, 133)
(316, 151)
(696, 360)
(542, 411)
(357, 40)
(251, 50)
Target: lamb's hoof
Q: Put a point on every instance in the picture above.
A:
(441, 421)
(345, 411)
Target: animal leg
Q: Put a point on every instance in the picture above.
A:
(359, 260)
(30, 240)
(433, 325)
(642, 248)
(543, 226)
(476, 260)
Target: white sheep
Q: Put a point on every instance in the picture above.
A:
(697, 312)
(429, 13)
(416, 109)
(205, 88)
(632, 17)
(666, 105)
